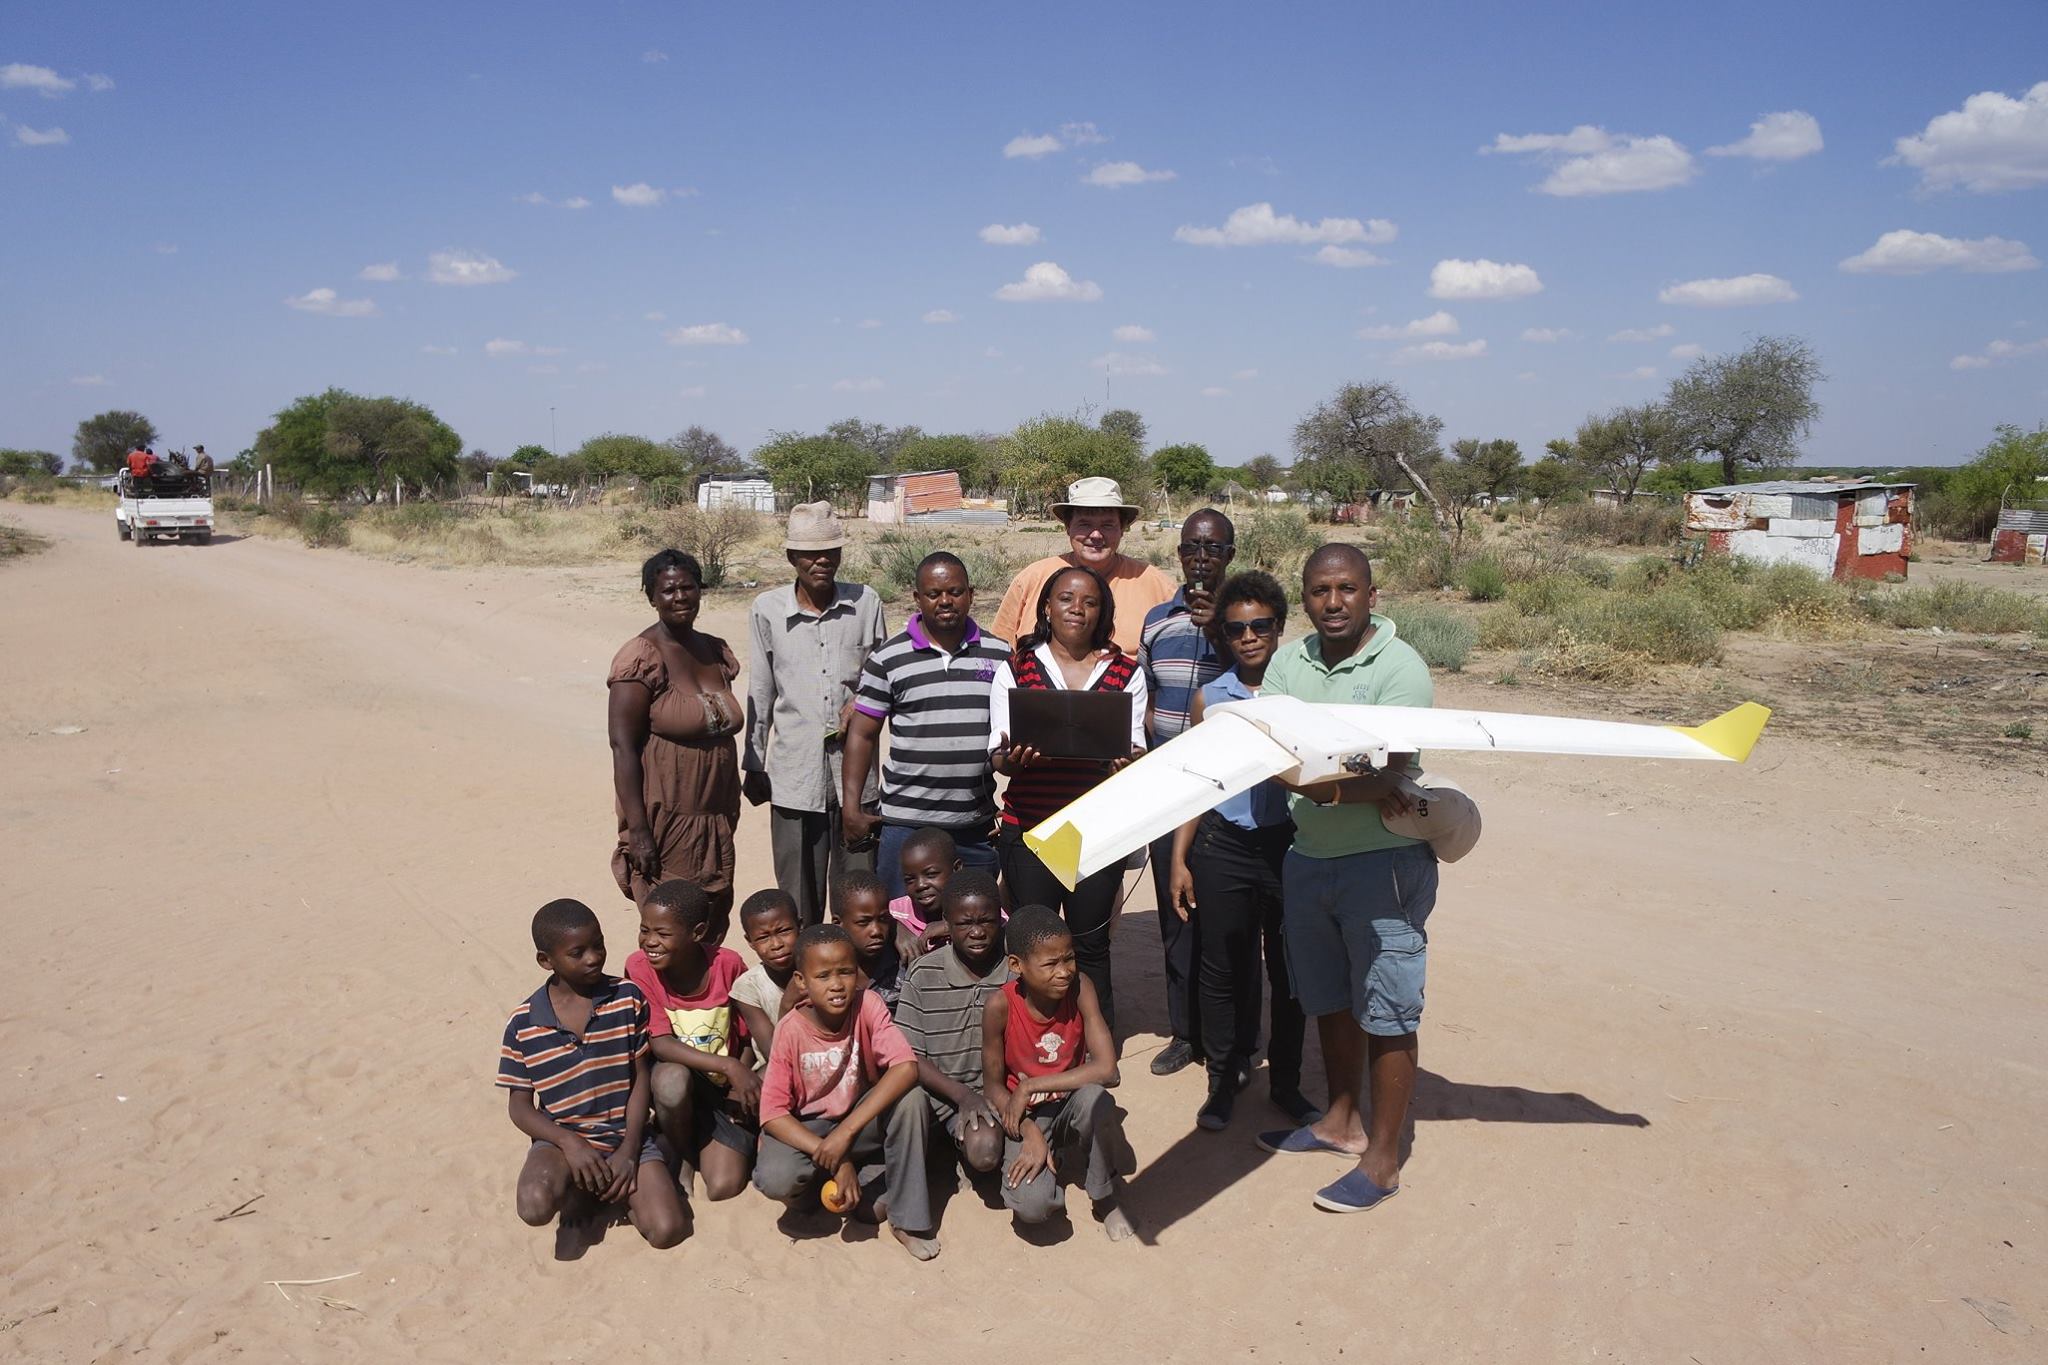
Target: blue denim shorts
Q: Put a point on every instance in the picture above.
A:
(1355, 934)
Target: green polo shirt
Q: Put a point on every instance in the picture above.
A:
(1385, 672)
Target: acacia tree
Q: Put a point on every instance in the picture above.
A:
(1184, 468)
(1042, 456)
(971, 457)
(344, 444)
(104, 440)
(1752, 408)
(1127, 424)
(813, 467)
(614, 453)
(1347, 445)
(880, 441)
(1263, 471)
(1623, 446)
(1491, 467)
(704, 453)
(25, 464)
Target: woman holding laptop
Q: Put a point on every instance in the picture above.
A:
(1069, 649)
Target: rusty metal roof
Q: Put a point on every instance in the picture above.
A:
(1809, 487)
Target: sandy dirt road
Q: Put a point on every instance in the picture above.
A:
(1722, 1064)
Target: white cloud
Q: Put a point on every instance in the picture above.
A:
(1741, 291)
(1213, 391)
(382, 272)
(466, 267)
(1437, 324)
(1784, 136)
(1081, 134)
(1046, 282)
(1345, 257)
(1687, 350)
(1657, 333)
(1545, 335)
(1590, 160)
(1994, 142)
(705, 334)
(90, 381)
(500, 347)
(941, 315)
(1011, 234)
(1131, 332)
(25, 136)
(638, 195)
(1905, 252)
(1640, 372)
(1114, 175)
(868, 324)
(654, 56)
(98, 83)
(575, 201)
(1442, 350)
(1259, 225)
(165, 248)
(1031, 146)
(1245, 374)
(693, 391)
(437, 350)
(1482, 279)
(1997, 351)
(1122, 364)
(41, 79)
(329, 304)
(868, 385)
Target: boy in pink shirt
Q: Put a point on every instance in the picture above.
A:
(832, 1097)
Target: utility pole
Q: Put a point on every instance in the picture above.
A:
(551, 431)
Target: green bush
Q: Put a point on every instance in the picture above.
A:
(1485, 580)
(1278, 541)
(1503, 627)
(1443, 640)
(1668, 626)
(1644, 521)
(1968, 607)
(1643, 573)
(1547, 594)
(418, 518)
(322, 527)
(1415, 557)
(893, 556)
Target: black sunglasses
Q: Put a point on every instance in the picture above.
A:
(1215, 549)
(1258, 625)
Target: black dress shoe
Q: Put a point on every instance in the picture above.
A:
(1173, 1057)
(1214, 1115)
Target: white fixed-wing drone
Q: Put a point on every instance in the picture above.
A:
(1242, 743)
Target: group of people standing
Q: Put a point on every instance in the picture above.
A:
(1311, 880)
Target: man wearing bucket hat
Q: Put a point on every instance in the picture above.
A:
(1096, 517)
(808, 641)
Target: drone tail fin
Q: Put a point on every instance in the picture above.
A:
(1732, 734)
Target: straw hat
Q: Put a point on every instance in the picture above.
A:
(1444, 817)
(813, 527)
(1094, 492)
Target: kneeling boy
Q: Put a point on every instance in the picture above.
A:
(1047, 1050)
(574, 1061)
(940, 1013)
(836, 1079)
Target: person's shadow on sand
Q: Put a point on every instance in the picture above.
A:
(1200, 1164)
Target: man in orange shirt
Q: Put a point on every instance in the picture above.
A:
(1096, 517)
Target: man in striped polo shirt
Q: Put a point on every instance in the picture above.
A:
(930, 682)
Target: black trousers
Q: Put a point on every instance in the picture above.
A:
(1237, 905)
(1086, 908)
(1177, 937)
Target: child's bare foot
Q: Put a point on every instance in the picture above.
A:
(1116, 1224)
(923, 1245)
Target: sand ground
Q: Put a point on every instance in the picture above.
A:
(1722, 1064)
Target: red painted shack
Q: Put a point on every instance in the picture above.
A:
(2022, 534)
(1839, 530)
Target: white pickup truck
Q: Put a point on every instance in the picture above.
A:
(174, 503)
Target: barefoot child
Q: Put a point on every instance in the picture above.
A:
(940, 1013)
(1047, 1052)
(831, 1101)
(703, 1084)
(574, 1066)
(928, 861)
(862, 909)
(768, 919)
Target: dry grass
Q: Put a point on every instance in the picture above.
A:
(18, 543)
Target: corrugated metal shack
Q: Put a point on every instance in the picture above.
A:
(931, 496)
(1838, 530)
(2022, 534)
(751, 491)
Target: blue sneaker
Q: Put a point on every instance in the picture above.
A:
(1296, 1141)
(1354, 1193)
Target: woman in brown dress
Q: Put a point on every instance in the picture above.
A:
(675, 769)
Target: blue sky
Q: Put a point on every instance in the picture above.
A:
(816, 181)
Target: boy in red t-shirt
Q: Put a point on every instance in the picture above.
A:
(832, 1097)
(705, 1093)
(1047, 1051)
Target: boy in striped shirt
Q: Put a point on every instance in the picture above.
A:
(574, 1066)
(940, 1013)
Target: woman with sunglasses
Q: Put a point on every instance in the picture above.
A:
(1226, 871)
(1071, 647)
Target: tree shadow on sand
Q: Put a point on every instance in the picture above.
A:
(1200, 1165)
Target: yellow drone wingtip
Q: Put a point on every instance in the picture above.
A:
(1060, 851)
(1732, 734)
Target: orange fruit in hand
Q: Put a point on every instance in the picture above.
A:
(834, 1199)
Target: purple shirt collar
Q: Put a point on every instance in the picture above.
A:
(915, 630)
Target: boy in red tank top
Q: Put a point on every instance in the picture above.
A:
(1047, 1058)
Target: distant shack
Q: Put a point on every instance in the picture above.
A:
(930, 496)
(2022, 534)
(1837, 530)
(750, 491)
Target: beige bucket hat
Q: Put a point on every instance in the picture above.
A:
(1444, 817)
(812, 526)
(1094, 492)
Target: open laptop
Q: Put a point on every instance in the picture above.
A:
(1064, 724)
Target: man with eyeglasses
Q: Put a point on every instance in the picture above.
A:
(1180, 652)
(930, 682)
